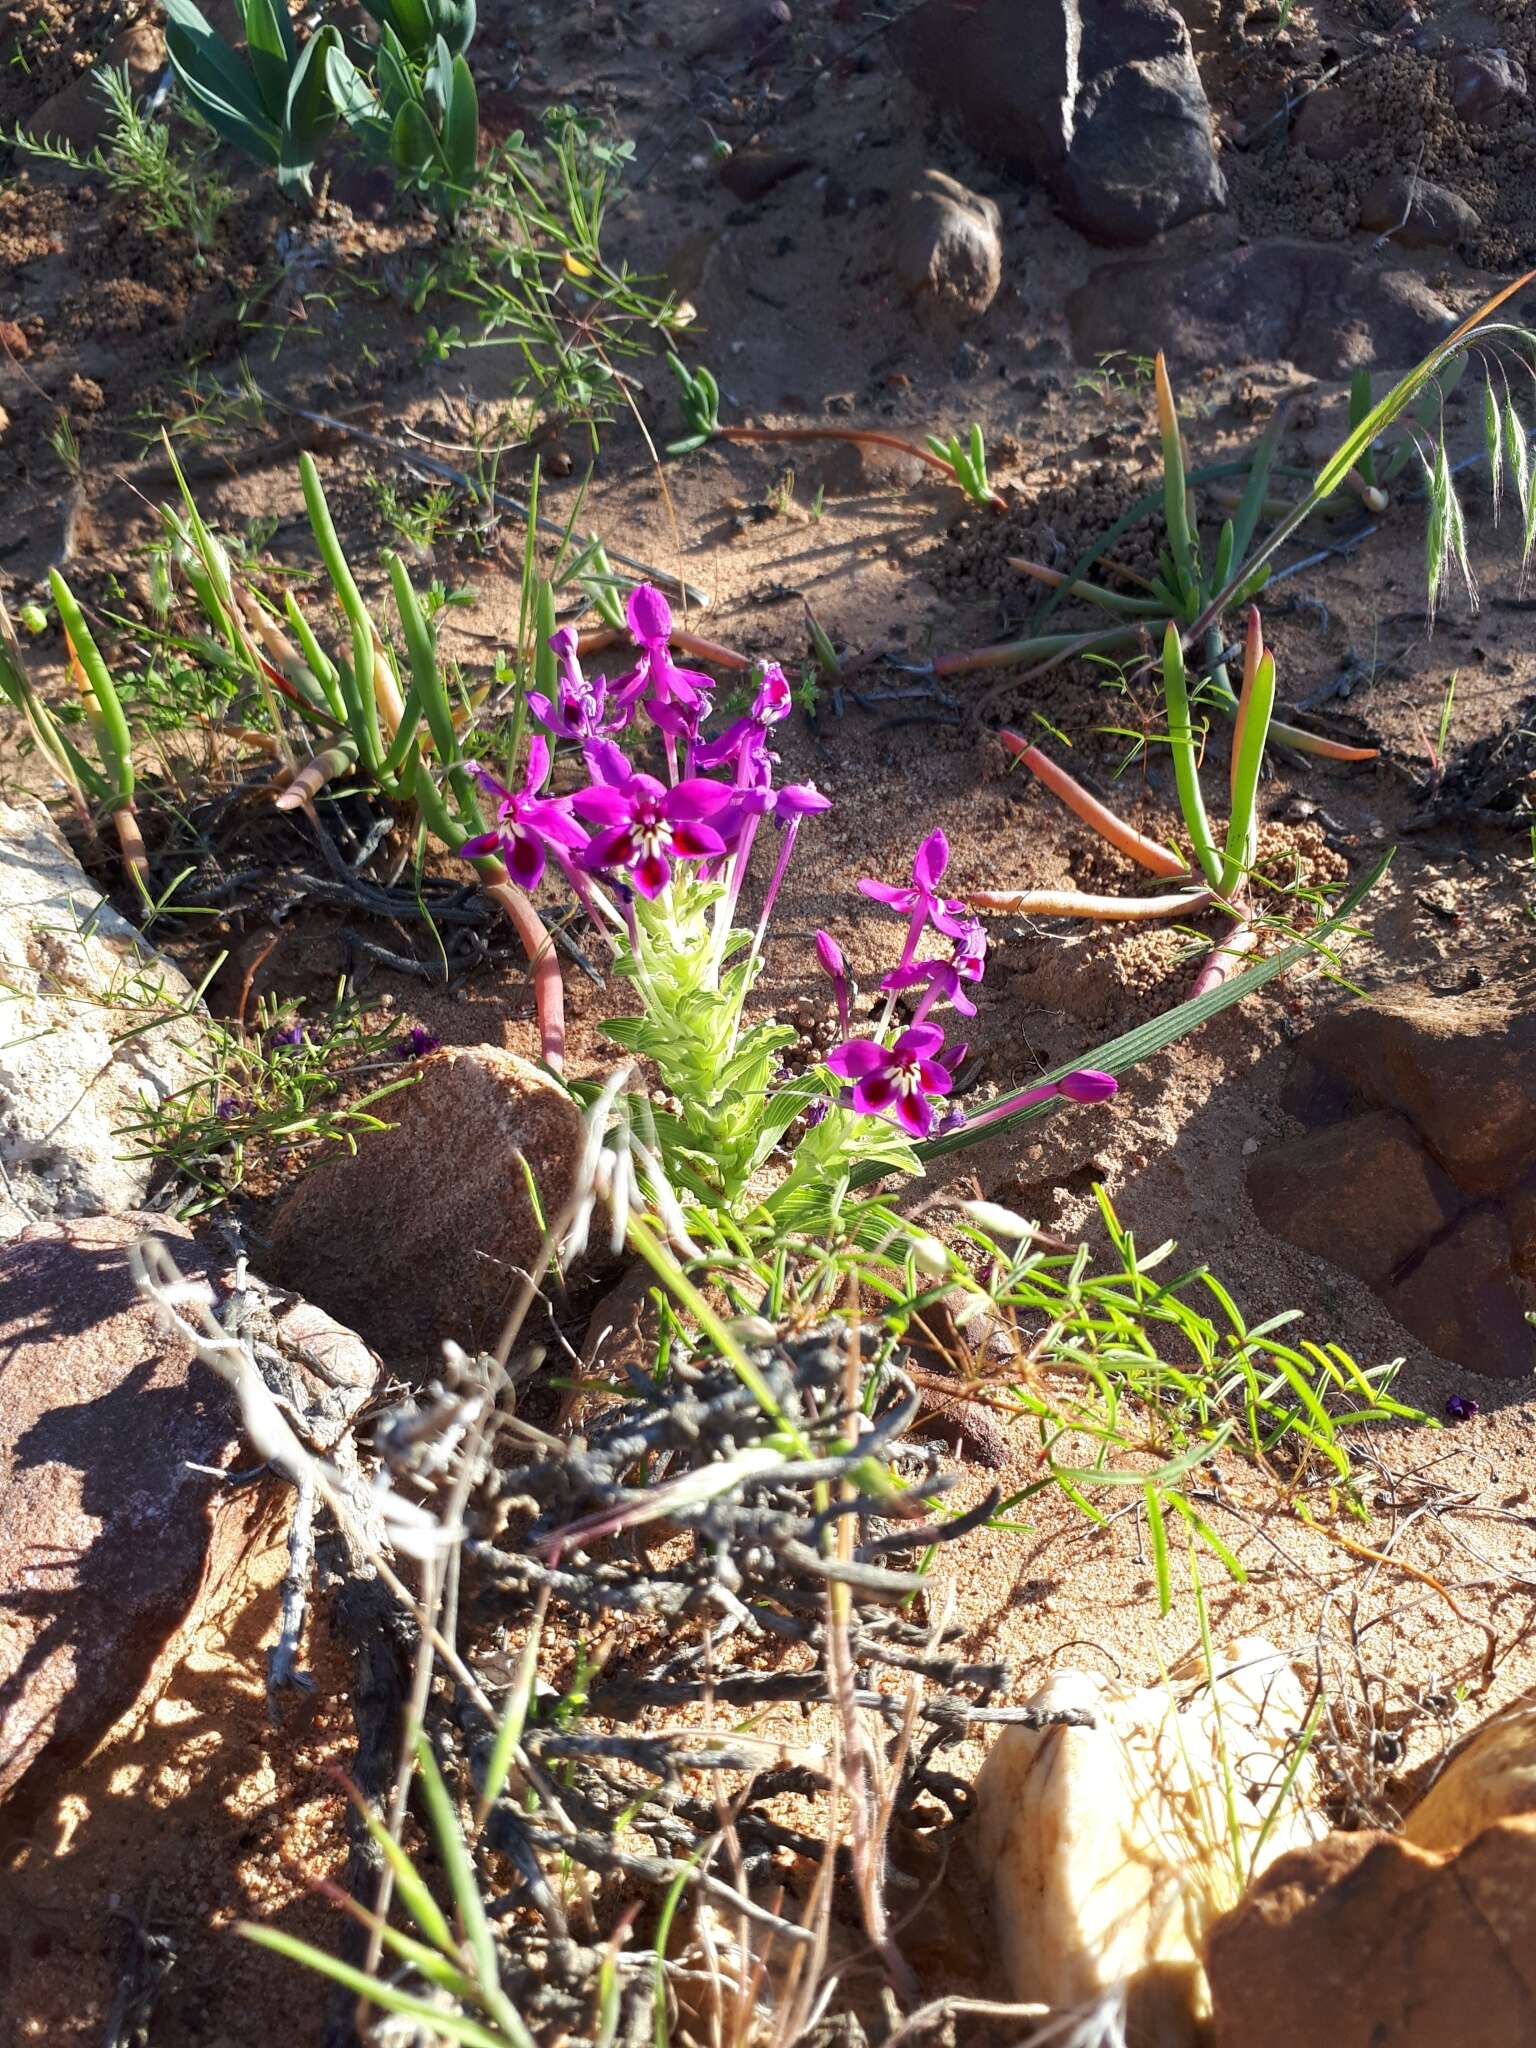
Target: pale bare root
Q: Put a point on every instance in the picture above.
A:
(1108, 909)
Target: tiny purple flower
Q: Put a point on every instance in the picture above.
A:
(417, 1043)
(1462, 1408)
(528, 824)
(643, 826)
(921, 902)
(675, 698)
(581, 710)
(286, 1034)
(899, 1080)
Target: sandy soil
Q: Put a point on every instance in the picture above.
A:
(1416, 1620)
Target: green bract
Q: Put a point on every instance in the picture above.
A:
(269, 100)
(424, 119)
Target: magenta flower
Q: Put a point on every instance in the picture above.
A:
(898, 1081)
(922, 902)
(1086, 1085)
(528, 825)
(675, 698)
(970, 954)
(581, 710)
(743, 746)
(643, 825)
(944, 984)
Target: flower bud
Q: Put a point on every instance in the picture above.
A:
(1088, 1085)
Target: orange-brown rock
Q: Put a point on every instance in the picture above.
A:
(1418, 1171)
(118, 1542)
(1367, 1941)
(1491, 1776)
(424, 1234)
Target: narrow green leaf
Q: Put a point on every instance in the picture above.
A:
(1127, 1051)
(1242, 827)
(453, 2026)
(1186, 771)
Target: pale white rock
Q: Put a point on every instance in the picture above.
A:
(1109, 1849)
(1492, 1776)
(89, 1034)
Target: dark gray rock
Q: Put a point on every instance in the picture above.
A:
(1316, 305)
(1482, 81)
(1417, 213)
(1099, 99)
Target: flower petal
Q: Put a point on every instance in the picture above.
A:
(857, 1057)
(603, 804)
(525, 859)
(538, 764)
(607, 763)
(649, 615)
(691, 842)
(915, 1115)
(930, 860)
(615, 848)
(918, 1041)
(652, 874)
(874, 1094)
(886, 892)
(695, 798)
(482, 844)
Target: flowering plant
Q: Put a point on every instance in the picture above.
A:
(660, 864)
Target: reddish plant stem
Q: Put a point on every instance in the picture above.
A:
(548, 988)
(867, 437)
(312, 778)
(1224, 958)
(1147, 853)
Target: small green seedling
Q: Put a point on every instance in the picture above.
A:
(969, 462)
(104, 788)
(699, 396)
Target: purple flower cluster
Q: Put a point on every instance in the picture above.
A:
(906, 1080)
(640, 826)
